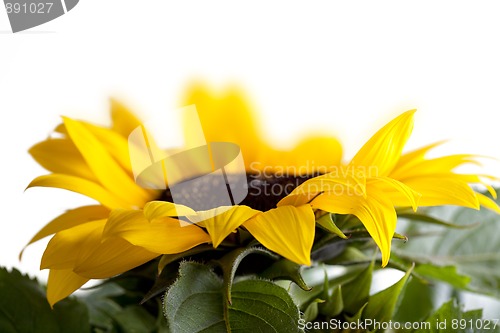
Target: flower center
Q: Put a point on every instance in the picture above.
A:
(264, 191)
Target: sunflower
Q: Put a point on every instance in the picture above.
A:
(133, 225)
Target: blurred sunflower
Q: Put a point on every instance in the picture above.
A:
(132, 225)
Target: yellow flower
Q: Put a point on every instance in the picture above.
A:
(132, 225)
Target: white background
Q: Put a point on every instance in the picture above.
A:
(339, 67)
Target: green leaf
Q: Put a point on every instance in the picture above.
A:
(262, 306)
(115, 309)
(24, 308)
(433, 220)
(135, 319)
(357, 291)
(71, 315)
(196, 303)
(474, 252)
(451, 318)
(102, 308)
(446, 274)
(197, 291)
(230, 262)
(381, 306)
(416, 302)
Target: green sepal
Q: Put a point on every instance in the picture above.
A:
(285, 269)
(334, 304)
(331, 243)
(327, 223)
(167, 259)
(311, 311)
(400, 237)
(162, 282)
(350, 255)
(358, 315)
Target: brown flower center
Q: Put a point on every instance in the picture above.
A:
(207, 192)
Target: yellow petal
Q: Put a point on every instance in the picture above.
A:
(340, 204)
(376, 212)
(109, 173)
(116, 145)
(491, 190)
(149, 162)
(438, 165)
(162, 235)
(61, 156)
(439, 190)
(225, 117)
(221, 221)
(159, 209)
(416, 155)
(384, 148)
(61, 129)
(400, 194)
(379, 218)
(297, 199)
(82, 186)
(81, 249)
(70, 219)
(341, 181)
(65, 247)
(286, 230)
(315, 155)
(488, 203)
(124, 121)
(111, 257)
(477, 179)
(62, 283)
